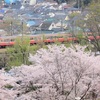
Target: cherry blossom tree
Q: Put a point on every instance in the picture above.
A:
(57, 73)
(71, 73)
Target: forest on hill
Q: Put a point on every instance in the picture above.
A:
(78, 2)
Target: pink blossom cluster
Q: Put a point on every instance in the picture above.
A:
(58, 73)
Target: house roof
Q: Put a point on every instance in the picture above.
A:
(73, 9)
(50, 19)
(30, 23)
(33, 23)
(2, 11)
(46, 25)
(10, 1)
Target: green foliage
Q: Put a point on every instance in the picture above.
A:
(80, 36)
(72, 15)
(58, 43)
(82, 3)
(34, 48)
(22, 44)
(91, 22)
(8, 86)
(31, 87)
(4, 58)
(19, 53)
(67, 45)
(82, 39)
(43, 37)
(88, 48)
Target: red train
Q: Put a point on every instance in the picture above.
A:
(36, 39)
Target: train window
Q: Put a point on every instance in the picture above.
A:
(6, 40)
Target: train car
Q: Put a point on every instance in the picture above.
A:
(7, 41)
(45, 38)
(92, 38)
(34, 39)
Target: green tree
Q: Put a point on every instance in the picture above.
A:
(92, 22)
(19, 53)
(72, 15)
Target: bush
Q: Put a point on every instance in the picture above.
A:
(8, 86)
(19, 53)
(4, 58)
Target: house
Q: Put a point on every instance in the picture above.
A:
(47, 25)
(53, 26)
(30, 23)
(1, 16)
(73, 10)
(3, 32)
(33, 25)
(2, 11)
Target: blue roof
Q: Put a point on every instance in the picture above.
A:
(30, 23)
(50, 19)
(10, 1)
(2, 11)
(33, 23)
(7, 1)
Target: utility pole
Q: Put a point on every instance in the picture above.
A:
(22, 31)
(82, 5)
(78, 2)
(11, 28)
(61, 25)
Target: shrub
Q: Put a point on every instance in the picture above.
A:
(8, 86)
